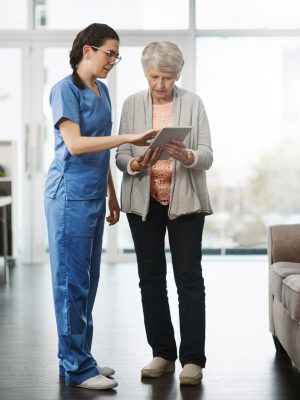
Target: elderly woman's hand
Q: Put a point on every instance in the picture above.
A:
(146, 160)
(178, 151)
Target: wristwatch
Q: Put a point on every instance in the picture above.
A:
(189, 158)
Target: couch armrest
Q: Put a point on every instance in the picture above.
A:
(284, 243)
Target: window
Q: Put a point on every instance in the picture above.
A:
(248, 14)
(56, 67)
(10, 93)
(130, 64)
(9, 18)
(245, 67)
(132, 14)
(251, 89)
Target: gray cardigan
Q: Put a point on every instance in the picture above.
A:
(188, 188)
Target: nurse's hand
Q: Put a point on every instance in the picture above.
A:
(142, 139)
(114, 210)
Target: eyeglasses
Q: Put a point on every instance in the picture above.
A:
(111, 56)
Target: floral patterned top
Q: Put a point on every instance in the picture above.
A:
(161, 171)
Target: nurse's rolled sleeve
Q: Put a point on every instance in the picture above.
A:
(64, 104)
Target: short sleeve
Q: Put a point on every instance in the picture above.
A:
(64, 103)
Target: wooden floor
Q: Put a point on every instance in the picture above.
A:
(241, 360)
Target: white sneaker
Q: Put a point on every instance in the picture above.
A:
(98, 382)
(191, 375)
(105, 371)
(157, 367)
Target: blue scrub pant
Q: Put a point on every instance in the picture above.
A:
(75, 230)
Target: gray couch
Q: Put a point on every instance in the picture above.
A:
(284, 289)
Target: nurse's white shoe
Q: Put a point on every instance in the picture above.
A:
(98, 382)
(105, 371)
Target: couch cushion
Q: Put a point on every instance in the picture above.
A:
(291, 296)
(278, 272)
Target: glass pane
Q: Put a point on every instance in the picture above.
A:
(248, 14)
(251, 89)
(56, 67)
(10, 93)
(130, 64)
(9, 18)
(120, 14)
(130, 75)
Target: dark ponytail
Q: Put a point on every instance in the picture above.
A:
(94, 35)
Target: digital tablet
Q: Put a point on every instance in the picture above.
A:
(166, 134)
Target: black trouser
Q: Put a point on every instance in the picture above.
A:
(185, 237)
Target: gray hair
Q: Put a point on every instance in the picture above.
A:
(165, 56)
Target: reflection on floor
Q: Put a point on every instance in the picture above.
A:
(241, 358)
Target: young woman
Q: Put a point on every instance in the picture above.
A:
(75, 198)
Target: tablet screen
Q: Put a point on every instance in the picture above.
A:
(168, 133)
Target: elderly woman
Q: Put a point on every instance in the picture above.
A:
(160, 195)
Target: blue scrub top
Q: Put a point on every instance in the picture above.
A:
(85, 176)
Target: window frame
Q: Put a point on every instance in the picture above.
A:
(31, 38)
